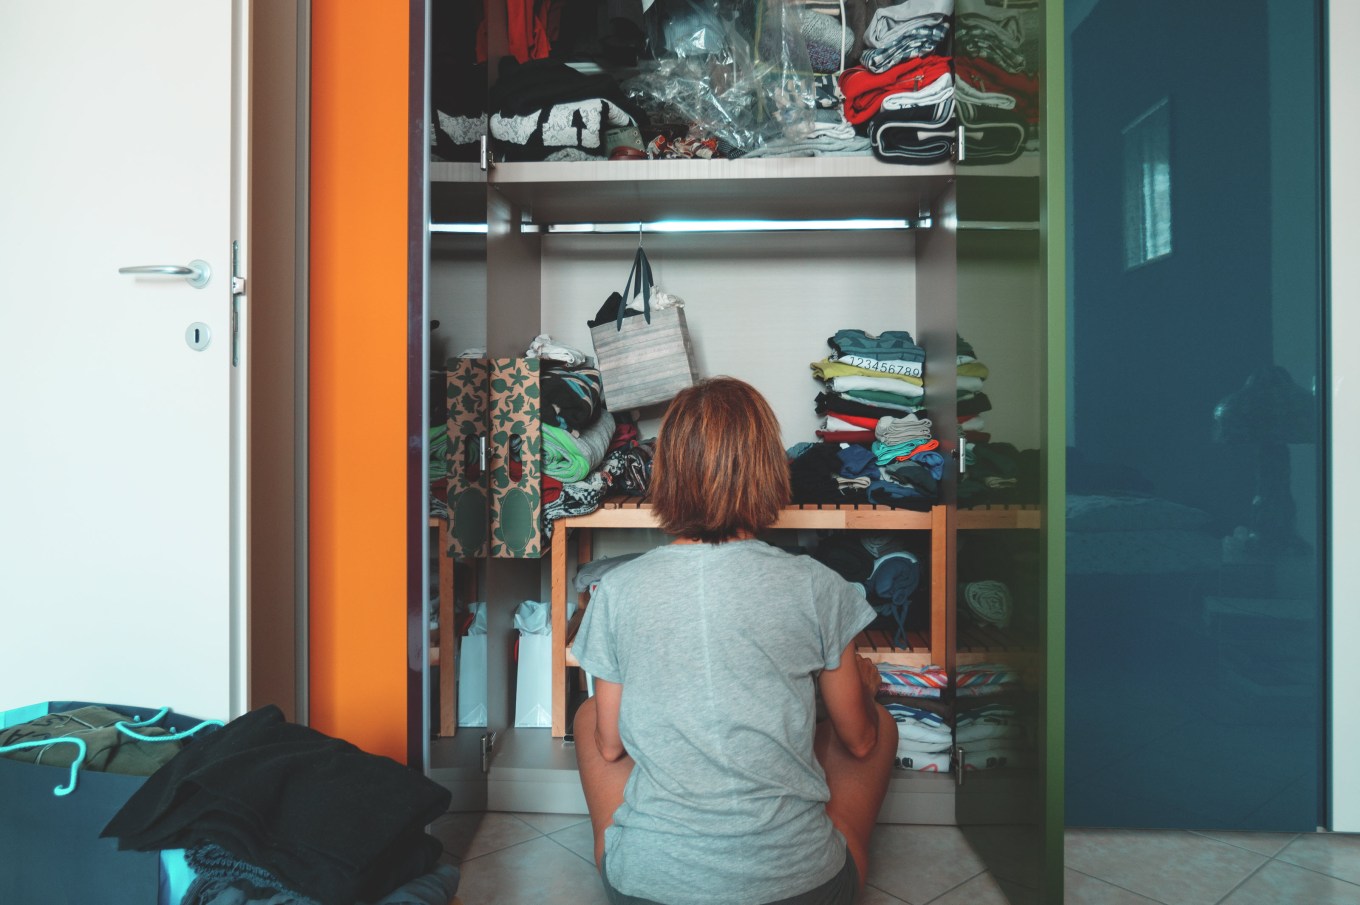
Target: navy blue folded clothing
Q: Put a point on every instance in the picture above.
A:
(330, 821)
(845, 405)
(812, 476)
(846, 556)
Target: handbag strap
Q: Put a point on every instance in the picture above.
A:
(639, 283)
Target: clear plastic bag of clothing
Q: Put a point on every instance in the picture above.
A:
(730, 70)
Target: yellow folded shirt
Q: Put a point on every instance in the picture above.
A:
(827, 369)
(973, 369)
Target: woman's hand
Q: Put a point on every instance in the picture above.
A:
(868, 674)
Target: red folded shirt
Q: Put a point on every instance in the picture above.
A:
(864, 90)
(858, 420)
(847, 436)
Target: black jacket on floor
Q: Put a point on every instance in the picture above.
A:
(333, 822)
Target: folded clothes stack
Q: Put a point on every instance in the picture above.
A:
(587, 451)
(924, 739)
(994, 736)
(996, 74)
(876, 444)
(912, 681)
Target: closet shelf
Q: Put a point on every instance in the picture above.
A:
(761, 189)
(634, 512)
(999, 517)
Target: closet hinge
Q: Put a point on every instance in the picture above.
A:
(487, 161)
(960, 153)
(958, 764)
(488, 742)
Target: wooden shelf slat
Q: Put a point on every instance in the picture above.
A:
(985, 517)
(632, 512)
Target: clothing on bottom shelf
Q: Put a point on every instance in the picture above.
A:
(912, 681)
(993, 736)
(984, 679)
(988, 602)
(924, 739)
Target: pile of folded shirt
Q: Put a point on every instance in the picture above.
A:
(546, 110)
(997, 84)
(901, 92)
(587, 451)
(876, 443)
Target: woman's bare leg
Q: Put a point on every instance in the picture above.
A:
(858, 785)
(601, 780)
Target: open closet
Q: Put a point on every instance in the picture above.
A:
(771, 255)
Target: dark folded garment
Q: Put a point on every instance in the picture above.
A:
(900, 136)
(846, 556)
(330, 821)
(525, 88)
(813, 477)
(975, 404)
(573, 395)
(837, 402)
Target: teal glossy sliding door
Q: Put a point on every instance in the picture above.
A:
(1006, 625)
(1196, 500)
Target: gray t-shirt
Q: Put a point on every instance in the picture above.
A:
(717, 647)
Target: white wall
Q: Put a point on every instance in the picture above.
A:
(1001, 314)
(457, 293)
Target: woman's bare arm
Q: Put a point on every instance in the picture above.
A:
(608, 696)
(848, 692)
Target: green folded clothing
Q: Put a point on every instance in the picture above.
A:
(562, 458)
(571, 459)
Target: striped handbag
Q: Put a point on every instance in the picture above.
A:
(644, 357)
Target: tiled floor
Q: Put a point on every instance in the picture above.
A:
(545, 859)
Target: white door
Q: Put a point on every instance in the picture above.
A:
(116, 515)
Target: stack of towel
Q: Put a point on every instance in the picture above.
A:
(924, 738)
(912, 695)
(992, 725)
(912, 681)
(994, 736)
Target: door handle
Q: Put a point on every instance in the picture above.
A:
(196, 272)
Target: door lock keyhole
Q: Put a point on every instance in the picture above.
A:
(197, 335)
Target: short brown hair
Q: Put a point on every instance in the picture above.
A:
(720, 469)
